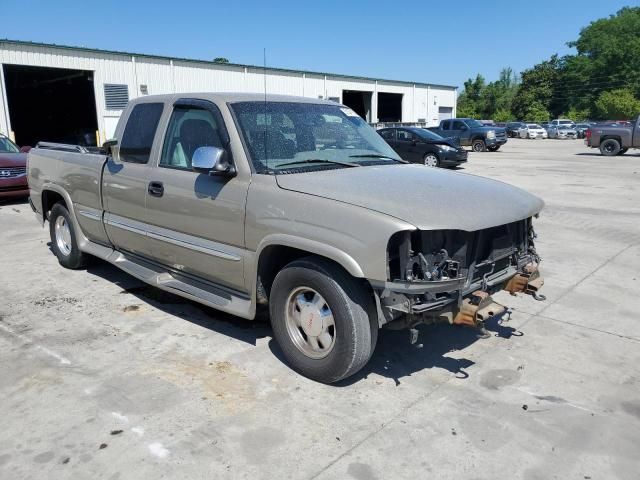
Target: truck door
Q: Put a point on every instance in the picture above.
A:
(196, 220)
(459, 129)
(124, 181)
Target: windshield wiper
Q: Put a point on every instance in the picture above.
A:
(319, 160)
(377, 155)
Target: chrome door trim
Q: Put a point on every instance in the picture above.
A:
(183, 240)
(89, 215)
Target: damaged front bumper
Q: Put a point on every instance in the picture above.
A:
(456, 301)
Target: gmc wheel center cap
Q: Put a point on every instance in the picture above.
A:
(311, 321)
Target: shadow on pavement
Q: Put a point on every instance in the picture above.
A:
(248, 331)
(394, 356)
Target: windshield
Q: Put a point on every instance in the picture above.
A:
(534, 126)
(427, 135)
(566, 122)
(564, 127)
(7, 146)
(474, 123)
(279, 135)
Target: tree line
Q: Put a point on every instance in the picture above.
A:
(601, 81)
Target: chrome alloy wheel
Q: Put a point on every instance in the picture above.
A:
(63, 235)
(310, 323)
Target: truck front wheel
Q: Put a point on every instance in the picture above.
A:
(610, 147)
(479, 145)
(323, 319)
(63, 238)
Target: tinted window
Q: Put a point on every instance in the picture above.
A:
(387, 134)
(189, 129)
(457, 125)
(428, 134)
(137, 139)
(445, 125)
(405, 136)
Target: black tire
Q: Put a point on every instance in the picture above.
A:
(494, 148)
(610, 147)
(74, 258)
(352, 307)
(623, 151)
(478, 145)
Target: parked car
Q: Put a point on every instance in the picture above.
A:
(562, 131)
(544, 125)
(532, 130)
(13, 169)
(472, 133)
(581, 129)
(238, 200)
(562, 121)
(419, 145)
(513, 127)
(614, 140)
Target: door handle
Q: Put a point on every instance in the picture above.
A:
(156, 189)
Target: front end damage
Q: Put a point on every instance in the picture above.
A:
(450, 275)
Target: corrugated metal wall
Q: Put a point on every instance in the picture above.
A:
(161, 75)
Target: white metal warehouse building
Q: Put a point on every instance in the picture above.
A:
(76, 95)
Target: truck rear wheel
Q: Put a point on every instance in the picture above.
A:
(323, 319)
(610, 147)
(479, 145)
(63, 238)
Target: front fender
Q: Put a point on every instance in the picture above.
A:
(343, 259)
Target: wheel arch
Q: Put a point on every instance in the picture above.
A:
(278, 250)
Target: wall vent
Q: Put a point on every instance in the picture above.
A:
(116, 96)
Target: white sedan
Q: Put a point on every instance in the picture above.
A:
(532, 130)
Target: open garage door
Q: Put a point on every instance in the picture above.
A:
(389, 107)
(359, 102)
(51, 104)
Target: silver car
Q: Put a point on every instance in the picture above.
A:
(562, 131)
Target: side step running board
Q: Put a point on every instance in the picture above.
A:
(200, 292)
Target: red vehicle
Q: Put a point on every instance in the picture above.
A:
(13, 169)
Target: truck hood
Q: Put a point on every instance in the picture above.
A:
(428, 198)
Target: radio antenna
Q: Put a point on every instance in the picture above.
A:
(264, 75)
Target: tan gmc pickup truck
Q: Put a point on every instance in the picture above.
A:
(236, 200)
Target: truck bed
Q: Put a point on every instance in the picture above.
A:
(70, 171)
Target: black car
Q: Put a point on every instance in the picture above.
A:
(513, 127)
(418, 145)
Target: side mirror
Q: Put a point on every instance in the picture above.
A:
(108, 145)
(212, 161)
(25, 149)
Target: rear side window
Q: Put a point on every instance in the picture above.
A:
(141, 127)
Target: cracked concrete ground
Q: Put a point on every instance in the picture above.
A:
(102, 377)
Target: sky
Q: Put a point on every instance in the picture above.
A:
(424, 41)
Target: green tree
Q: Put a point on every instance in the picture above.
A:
(220, 60)
(538, 86)
(619, 104)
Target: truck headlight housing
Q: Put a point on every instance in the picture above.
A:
(491, 134)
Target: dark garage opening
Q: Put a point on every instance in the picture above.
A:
(389, 107)
(51, 104)
(359, 102)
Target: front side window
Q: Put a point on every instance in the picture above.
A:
(388, 135)
(139, 132)
(288, 136)
(457, 125)
(405, 136)
(189, 129)
(7, 146)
